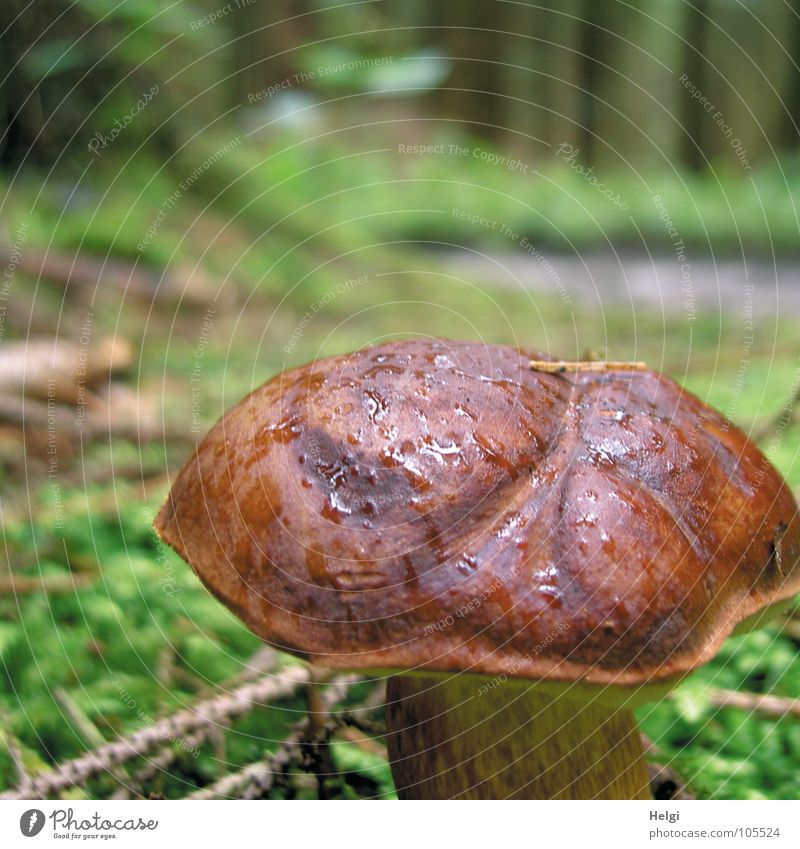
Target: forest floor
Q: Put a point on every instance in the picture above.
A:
(106, 625)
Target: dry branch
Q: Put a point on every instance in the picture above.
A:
(262, 661)
(774, 707)
(60, 370)
(791, 628)
(213, 712)
(779, 424)
(157, 763)
(186, 283)
(24, 584)
(15, 752)
(558, 366)
(256, 779)
(107, 421)
(85, 728)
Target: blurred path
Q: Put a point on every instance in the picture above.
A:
(663, 283)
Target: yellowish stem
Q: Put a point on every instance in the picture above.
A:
(459, 737)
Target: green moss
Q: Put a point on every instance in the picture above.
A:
(285, 224)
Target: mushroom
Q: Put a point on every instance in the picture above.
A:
(528, 553)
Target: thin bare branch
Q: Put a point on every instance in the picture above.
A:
(26, 584)
(219, 710)
(774, 707)
(15, 752)
(779, 423)
(85, 728)
(559, 366)
(256, 779)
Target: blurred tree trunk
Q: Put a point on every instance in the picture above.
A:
(790, 131)
(22, 119)
(750, 72)
(693, 117)
(564, 87)
(468, 38)
(640, 119)
(520, 75)
(415, 15)
(594, 48)
(541, 72)
(266, 52)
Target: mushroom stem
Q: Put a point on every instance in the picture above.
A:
(460, 737)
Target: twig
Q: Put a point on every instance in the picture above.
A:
(179, 726)
(256, 779)
(24, 584)
(79, 501)
(159, 762)
(775, 707)
(558, 366)
(37, 415)
(85, 728)
(665, 783)
(780, 422)
(264, 660)
(374, 701)
(90, 273)
(318, 752)
(791, 628)
(15, 752)
(365, 726)
(57, 370)
(363, 741)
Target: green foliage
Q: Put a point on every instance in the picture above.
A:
(283, 221)
(145, 638)
(733, 754)
(278, 213)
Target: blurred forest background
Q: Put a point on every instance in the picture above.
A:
(196, 195)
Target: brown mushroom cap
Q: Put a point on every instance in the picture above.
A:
(439, 505)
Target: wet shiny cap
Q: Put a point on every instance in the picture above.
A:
(442, 506)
